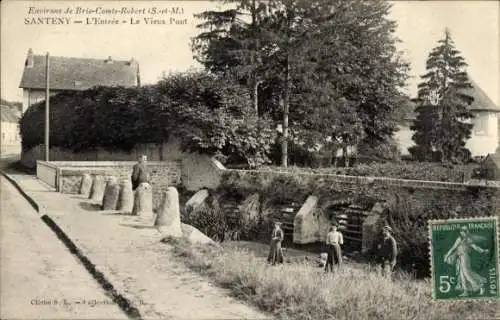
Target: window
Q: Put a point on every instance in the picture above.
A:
(481, 125)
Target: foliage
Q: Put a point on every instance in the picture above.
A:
(298, 291)
(219, 224)
(388, 151)
(409, 214)
(207, 113)
(331, 67)
(207, 219)
(441, 127)
(403, 170)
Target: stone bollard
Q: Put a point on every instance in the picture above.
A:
(168, 220)
(97, 191)
(143, 201)
(86, 185)
(110, 179)
(126, 197)
(111, 194)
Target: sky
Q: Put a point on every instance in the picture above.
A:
(164, 48)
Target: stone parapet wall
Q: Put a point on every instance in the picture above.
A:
(47, 172)
(359, 180)
(163, 174)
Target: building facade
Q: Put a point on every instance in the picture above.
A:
(485, 131)
(69, 73)
(10, 127)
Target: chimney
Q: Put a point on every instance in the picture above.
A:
(30, 59)
(134, 64)
(108, 60)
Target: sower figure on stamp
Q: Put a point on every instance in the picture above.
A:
(275, 251)
(334, 240)
(140, 172)
(459, 255)
(387, 252)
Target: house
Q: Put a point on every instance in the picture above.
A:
(485, 131)
(10, 126)
(69, 73)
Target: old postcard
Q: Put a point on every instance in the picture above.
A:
(250, 159)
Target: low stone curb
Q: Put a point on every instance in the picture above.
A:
(124, 304)
(25, 195)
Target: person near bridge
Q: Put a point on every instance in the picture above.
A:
(140, 172)
(275, 250)
(334, 240)
(387, 252)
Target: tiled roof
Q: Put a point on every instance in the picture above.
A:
(68, 73)
(481, 99)
(9, 114)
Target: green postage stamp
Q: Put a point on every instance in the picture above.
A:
(464, 258)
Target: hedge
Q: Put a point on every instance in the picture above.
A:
(208, 114)
(428, 171)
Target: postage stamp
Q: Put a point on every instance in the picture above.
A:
(464, 258)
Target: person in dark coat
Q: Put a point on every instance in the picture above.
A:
(140, 172)
(334, 240)
(275, 250)
(387, 252)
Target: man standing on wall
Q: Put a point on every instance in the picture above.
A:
(388, 252)
(140, 173)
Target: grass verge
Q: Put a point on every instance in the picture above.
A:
(300, 291)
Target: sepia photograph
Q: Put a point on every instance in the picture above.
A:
(250, 159)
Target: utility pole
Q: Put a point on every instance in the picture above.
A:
(47, 113)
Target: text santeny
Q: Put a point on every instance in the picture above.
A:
(47, 20)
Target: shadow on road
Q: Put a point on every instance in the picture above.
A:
(89, 206)
(11, 164)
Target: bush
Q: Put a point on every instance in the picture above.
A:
(219, 224)
(207, 219)
(410, 212)
(209, 115)
(400, 170)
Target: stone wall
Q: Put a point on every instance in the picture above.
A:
(163, 174)
(266, 177)
(47, 172)
(201, 172)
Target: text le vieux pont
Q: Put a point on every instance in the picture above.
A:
(101, 21)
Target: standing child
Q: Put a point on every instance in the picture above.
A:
(334, 240)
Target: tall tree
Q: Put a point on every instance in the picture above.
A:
(312, 51)
(230, 42)
(442, 125)
(347, 69)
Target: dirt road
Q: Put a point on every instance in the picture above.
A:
(40, 278)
